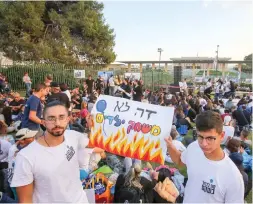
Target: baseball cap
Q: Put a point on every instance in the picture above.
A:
(54, 84)
(236, 158)
(25, 133)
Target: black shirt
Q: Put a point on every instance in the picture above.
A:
(191, 114)
(138, 93)
(89, 83)
(240, 118)
(16, 103)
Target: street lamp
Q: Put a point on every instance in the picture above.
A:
(217, 58)
(160, 51)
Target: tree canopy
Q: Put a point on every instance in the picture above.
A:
(56, 32)
(247, 68)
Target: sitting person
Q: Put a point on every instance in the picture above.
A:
(75, 99)
(228, 129)
(8, 119)
(17, 121)
(233, 145)
(16, 104)
(179, 145)
(74, 123)
(132, 188)
(244, 137)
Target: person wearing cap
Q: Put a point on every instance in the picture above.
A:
(23, 138)
(65, 89)
(228, 129)
(212, 176)
(56, 94)
(47, 171)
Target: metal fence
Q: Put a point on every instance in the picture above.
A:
(38, 72)
(153, 79)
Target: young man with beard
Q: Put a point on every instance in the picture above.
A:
(47, 171)
(212, 176)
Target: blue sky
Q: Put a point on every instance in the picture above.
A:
(180, 28)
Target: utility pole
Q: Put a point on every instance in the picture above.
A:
(217, 59)
(160, 51)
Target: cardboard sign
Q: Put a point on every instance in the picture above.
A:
(79, 74)
(131, 129)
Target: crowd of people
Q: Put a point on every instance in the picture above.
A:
(46, 157)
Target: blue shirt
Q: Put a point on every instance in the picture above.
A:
(32, 104)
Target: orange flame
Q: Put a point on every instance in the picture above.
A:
(118, 144)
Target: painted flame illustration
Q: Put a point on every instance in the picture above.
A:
(118, 144)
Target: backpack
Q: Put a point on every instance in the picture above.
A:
(131, 195)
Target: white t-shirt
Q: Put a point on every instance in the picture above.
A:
(227, 87)
(184, 85)
(54, 170)
(26, 79)
(4, 150)
(111, 82)
(229, 132)
(211, 181)
(218, 88)
(208, 84)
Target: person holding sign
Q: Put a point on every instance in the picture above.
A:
(212, 176)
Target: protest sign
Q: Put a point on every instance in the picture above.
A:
(234, 101)
(199, 79)
(79, 74)
(131, 129)
(132, 76)
(105, 74)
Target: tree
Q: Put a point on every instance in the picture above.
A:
(59, 32)
(247, 67)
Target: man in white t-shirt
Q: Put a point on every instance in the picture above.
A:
(228, 129)
(212, 176)
(47, 171)
(111, 86)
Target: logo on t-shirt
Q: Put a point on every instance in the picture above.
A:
(70, 153)
(208, 187)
